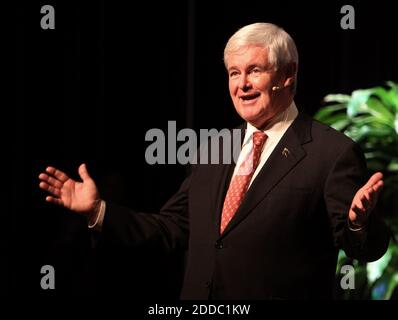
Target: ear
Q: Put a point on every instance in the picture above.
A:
(290, 74)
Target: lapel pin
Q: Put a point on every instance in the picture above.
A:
(285, 152)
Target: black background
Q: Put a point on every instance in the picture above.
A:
(89, 90)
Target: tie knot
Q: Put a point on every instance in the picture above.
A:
(259, 138)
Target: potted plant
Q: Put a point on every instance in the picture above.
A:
(370, 117)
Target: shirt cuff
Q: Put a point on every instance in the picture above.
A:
(97, 225)
(355, 228)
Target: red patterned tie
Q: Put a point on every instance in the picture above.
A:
(240, 182)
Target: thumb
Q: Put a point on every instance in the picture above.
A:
(83, 173)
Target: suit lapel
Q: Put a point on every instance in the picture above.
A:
(278, 165)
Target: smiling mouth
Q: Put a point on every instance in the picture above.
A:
(249, 98)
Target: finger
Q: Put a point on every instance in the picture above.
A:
(374, 179)
(378, 186)
(54, 191)
(369, 193)
(54, 200)
(84, 173)
(358, 206)
(359, 212)
(50, 180)
(375, 189)
(373, 196)
(375, 192)
(360, 202)
(61, 176)
(366, 200)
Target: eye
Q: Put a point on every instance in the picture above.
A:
(256, 70)
(233, 74)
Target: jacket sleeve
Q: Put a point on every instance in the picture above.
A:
(345, 178)
(166, 230)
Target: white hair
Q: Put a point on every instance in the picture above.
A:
(281, 47)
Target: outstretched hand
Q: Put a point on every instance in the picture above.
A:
(80, 197)
(365, 200)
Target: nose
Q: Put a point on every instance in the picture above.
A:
(244, 82)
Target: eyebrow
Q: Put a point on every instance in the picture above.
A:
(232, 68)
(251, 66)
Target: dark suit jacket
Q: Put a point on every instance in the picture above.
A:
(283, 241)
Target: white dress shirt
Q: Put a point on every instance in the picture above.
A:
(275, 130)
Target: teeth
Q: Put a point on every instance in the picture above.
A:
(250, 97)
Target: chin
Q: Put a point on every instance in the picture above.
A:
(259, 122)
(254, 118)
(249, 115)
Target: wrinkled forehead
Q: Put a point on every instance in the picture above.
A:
(247, 55)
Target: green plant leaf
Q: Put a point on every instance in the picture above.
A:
(326, 112)
(391, 286)
(393, 166)
(379, 154)
(379, 111)
(366, 120)
(392, 84)
(357, 103)
(339, 125)
(341, 98)
(393, 94)
(359, 133)
(386, 97)
(375, 269)
(396, 122)
(335, 118)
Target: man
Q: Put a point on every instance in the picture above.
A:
(271, 225)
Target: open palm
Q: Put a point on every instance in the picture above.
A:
(80, 197)
(365, 199)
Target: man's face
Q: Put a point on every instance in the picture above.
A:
(251, 79)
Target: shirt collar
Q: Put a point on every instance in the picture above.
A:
(277, 126)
